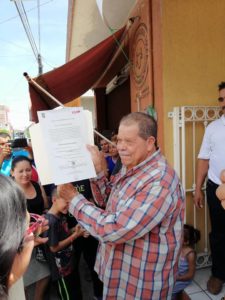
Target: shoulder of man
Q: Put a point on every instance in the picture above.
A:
(214, 123)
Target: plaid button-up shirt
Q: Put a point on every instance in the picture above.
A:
(140, 230)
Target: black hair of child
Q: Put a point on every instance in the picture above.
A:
(191, 235)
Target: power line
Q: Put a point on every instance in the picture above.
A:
(16, 45)
(39, 40)
(33, 8)
(39, 26)
(44, 60)
(22, 14)
(50, 65)
(14, 85)
(23, 17)
(10, 56)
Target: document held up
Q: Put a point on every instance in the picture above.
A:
(59, 144)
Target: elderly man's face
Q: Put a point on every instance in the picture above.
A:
(132, 148)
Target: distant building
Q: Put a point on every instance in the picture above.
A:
(4, 120)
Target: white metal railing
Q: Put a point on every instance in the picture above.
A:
(189, 123)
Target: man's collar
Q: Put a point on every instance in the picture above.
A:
(142, 164)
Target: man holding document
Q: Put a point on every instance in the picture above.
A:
(140, 230)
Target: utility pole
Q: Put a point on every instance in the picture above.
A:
(23, 17)
(40, 65)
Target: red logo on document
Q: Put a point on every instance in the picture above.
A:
(75, 111)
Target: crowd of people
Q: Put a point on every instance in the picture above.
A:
(127, 223)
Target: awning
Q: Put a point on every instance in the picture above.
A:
(75, 77)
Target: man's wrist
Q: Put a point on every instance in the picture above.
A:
(98, 169)
(198, 186)
(76, 204)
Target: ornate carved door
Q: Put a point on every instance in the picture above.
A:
(141, 57)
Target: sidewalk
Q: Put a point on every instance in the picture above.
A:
(86, 285)
(198, 290)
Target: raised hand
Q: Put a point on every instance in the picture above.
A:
(67, 191)
(97, 158)
(198, 199)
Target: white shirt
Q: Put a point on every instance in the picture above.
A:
(213, 148)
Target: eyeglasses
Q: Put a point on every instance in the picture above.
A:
(35, 222)
(220, 99)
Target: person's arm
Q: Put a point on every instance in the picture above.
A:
(100, 185)
(101, 189)
(78, 231)
(4, 152)
(202, 170)
(1, 159)
(189, 275)
(145, 210)
(203, 165)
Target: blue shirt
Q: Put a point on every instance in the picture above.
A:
(7, 163)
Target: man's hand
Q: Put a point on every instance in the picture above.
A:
(79, 230)
(198, 199)
(5, 151)
(97, 158)
(201, 173)
(67, 191)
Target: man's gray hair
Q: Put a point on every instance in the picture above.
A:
(147, 124)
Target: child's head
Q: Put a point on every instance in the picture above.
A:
(60, 204)
(191, 235)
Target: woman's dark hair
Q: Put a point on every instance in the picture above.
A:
(18, 159)
(221, 86)
(13, 224)
(191, 235)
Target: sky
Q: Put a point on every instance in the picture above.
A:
(16, 55)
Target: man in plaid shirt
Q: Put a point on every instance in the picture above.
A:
(140, 230)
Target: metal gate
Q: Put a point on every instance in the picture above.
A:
(189, 123)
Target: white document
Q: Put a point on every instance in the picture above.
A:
(90, 133)
(63, 134)
(40, 155)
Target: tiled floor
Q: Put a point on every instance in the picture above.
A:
(198, 290)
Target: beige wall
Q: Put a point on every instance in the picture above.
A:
(193, 65)
(89, 104)
(193, 56)
(86, 27)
